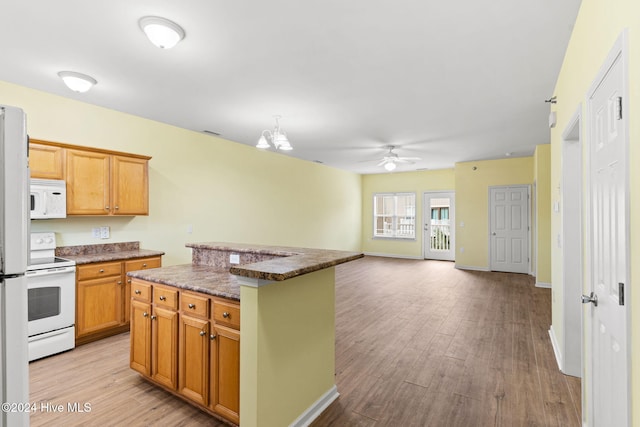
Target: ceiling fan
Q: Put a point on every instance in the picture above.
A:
(391, 160)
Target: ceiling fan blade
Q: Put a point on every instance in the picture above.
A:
(404, 160)
(382, 162)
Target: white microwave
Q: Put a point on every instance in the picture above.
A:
(48, 198)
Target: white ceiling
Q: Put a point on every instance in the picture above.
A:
(446, 81)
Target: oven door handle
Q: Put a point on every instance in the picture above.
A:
(50, 271)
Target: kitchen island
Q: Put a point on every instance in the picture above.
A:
(286, 302)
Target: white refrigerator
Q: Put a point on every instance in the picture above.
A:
(14, 255)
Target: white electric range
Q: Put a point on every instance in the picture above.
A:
(51, 285)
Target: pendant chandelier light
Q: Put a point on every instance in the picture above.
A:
(277, 138)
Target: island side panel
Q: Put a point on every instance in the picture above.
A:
(287, 356)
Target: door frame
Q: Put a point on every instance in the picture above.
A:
(529, 215)
(426, 215)
(620, 49)
(572, 242)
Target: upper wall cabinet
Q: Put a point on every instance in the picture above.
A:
(101, 182)
(46, 161)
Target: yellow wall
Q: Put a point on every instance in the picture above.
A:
(412, 182)
(472, 204)
(599, 24)
(289, 328)
(224, 190)
(542, 171)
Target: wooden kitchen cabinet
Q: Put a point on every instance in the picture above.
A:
(164, 346)
(185, 340)
(99, 298)
(140, 351)
(164, 336)
(129, 186)
(194, 359)
(46, 161)
(133, 265)
(194, 347)
(99, 182)
(88, 182)
(225, 369)
(103, 302)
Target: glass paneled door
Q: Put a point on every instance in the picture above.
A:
(439, 225)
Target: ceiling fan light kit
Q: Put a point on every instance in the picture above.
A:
(277, 138)
(391, 160)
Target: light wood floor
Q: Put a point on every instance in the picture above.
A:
(418, 343)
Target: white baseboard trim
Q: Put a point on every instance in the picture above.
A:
(467, 267)
(556, 347)
(391, 255)
(543, 285)
(314, 411)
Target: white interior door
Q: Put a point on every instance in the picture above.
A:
(608, 249)
(572, 248)
(439, 225)
(509, 228)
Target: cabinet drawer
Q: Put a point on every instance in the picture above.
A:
(226, 313)
(194, 305)
(140, 290)
(142, 264)
(165, 297)
(95, 271)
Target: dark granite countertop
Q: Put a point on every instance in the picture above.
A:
(276, 263)
(211, 272)
(87, 254)
(200, 278)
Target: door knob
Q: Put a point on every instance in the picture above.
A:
(586, 299)
(493, 234)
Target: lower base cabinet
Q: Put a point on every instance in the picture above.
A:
(177, 343)
(194, 359)
(102, 297)
(225, 368)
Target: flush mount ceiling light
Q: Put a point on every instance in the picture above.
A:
(161, 32)
(77, 82)
(278, 138)
(390, 166)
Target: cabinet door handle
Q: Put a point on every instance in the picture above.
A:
(145, 314)
(117, 207)
(162, 298)
(202, 333)
(225, 315)
(144, 265)
(192, 306)
(212, 337)
(106, 208)
(128, 280)
(101, 270)
(137, 292)
(119, 282)
(154, 317)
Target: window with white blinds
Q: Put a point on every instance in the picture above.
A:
(394, 215)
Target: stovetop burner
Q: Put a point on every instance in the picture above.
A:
(49, 262)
